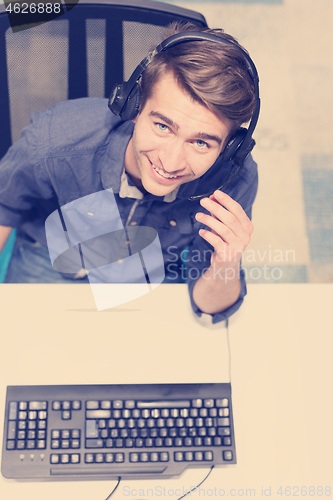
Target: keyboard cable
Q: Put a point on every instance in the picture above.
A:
(114, 489)
(187, 493)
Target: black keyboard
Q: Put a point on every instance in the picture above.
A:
(106, 431)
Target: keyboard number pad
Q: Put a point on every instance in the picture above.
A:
(27, 425)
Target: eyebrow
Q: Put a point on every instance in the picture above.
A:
(199, 135)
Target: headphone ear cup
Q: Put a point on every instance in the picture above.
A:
(234, 144)
(132, 104)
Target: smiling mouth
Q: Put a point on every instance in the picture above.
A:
(165, 174)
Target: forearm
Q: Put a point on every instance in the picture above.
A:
(4, 234)
(218, 288)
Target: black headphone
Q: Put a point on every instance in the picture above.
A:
(125, 100)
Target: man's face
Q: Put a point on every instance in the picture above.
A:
(175, 139)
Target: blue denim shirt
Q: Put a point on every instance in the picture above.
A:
(77, 148)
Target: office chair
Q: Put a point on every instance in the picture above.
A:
(82, 53)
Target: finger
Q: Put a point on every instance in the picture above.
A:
(215, 240)
(223, 231)
(234, 208)
(222, 215)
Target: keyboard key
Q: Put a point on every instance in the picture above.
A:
(23, 405)
(189, 456)
(223, 431)
(54, 459)
(89, 458)
(98, 414)
(163, 404)
(208, 455)
(134, 457)
(154, 457)
(144, 457)
(119, 457)
(75, 458)
(66, 415)
(178, 456)
(198, 456)
(76, 405)
(106, 405)
(94, 443)
(227, 455)
(196, 403)
(11, 431)
(117, 404)
(92, 405)
(37, 405)
(56, 405)
(91, 429)
(222, 403)
(66, 405)
(223, 422)
(12, 410)
(10, 445)
(130, 404)
(227, 441)
(209, 403)
(75, 443)
(99, 458)
(109, 458)
(164, 456)
(64, 458)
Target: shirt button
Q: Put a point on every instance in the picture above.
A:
(173, 223)
(133, 223)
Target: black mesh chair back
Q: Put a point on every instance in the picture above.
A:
(82, 53)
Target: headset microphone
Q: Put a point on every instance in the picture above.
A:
(125, 101)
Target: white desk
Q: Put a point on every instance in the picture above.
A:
(281, 374)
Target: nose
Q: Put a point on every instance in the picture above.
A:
(173, 157)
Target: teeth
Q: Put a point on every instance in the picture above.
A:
(164, 174)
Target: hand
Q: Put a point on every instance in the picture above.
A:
(231, 228)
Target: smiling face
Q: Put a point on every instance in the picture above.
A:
(175, 140)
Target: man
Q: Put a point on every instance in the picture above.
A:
(194, 96)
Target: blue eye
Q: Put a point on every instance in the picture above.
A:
(162, 127)
(201, 144)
